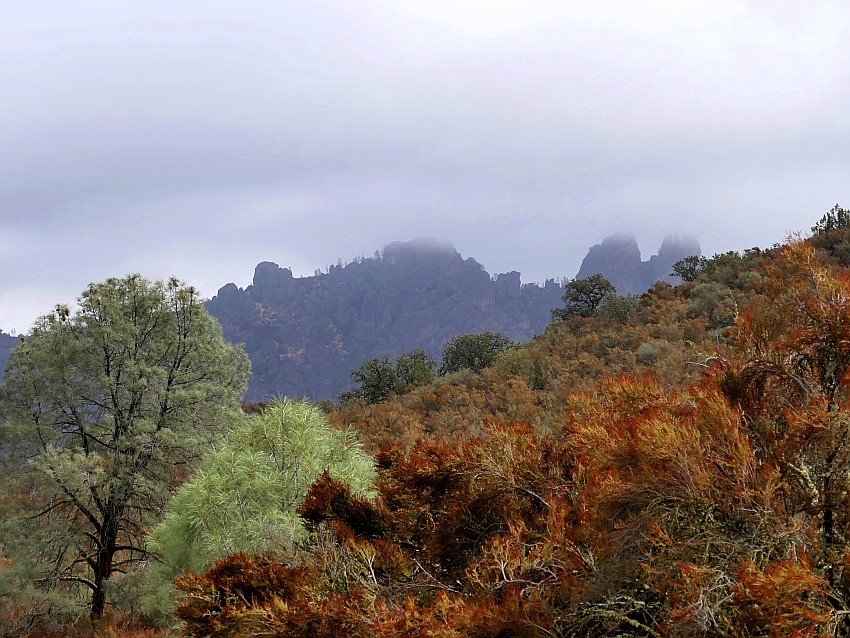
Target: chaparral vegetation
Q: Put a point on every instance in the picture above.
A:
(673, 464)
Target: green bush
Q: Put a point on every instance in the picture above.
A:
(245, 495)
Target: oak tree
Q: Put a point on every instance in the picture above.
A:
(689, 268)
(584, 297)
(379, 377)
(474, 351)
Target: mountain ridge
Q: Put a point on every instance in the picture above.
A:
(305, 334)
(618, 257)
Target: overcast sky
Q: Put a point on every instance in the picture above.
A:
(200, 138)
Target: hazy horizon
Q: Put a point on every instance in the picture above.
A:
(245, 279)
(199, 139)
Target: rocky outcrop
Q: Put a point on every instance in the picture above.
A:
(618, 258)
(305, 335)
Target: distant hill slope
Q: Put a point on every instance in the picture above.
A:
(7, 342)
(305, 335)
(618, 258)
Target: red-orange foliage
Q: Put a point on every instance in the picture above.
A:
(786, 597)
(789, 373)
(217, 601)
(631, 506)
(330, 499)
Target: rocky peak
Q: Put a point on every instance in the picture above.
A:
(509, 284)
(305, 335)
(268, 274)
(676, 247)
(618, 257)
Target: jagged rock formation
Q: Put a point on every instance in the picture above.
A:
(305, 335)
(618, 258)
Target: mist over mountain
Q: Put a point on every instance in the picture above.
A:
(305, 335)
(618, 257)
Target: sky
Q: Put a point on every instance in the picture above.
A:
(197, 139)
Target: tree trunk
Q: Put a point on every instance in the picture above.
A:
(103, 563)
(98, 602)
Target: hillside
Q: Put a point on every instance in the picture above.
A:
(676, 469)
(305, 335)
(670, 465)
(667, 333)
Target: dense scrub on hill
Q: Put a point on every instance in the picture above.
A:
(676, 464)
(681, 471)
(669, 331)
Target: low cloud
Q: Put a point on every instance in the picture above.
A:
(162, 139)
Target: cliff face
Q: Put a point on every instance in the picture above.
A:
(305, 335)
(618, 258)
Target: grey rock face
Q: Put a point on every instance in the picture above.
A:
(305, 335)
(618, 258)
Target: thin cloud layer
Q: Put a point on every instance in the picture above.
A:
(199, 140)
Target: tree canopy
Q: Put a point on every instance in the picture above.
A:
(835, 219)
(584, 297)
(474, 351)
(105, 407)
(689, 268)
(379, 377)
